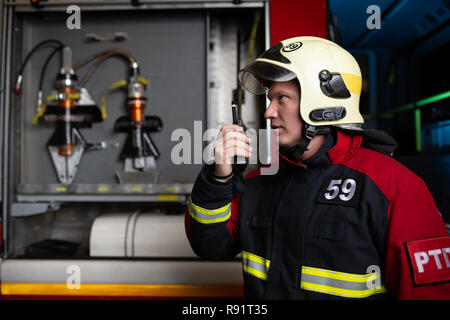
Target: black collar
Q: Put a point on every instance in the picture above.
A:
(320, 158)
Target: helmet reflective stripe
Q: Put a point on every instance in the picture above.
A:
(304, 58)
(353, 82)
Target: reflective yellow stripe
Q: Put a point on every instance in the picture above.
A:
(353, 82)
(203, 215)
(257, 259)
(254, 272)
(339, 275)
(339, 283)
(347, 293)
(210, 212)
(122, 290)
(255, 265)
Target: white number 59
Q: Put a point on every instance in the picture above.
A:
(347, 189)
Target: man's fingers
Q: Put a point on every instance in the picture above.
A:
(234, 135)
(231, 138)
(231, 127)
(231, 142)
(235, 143)
(228, 153)
(241, 151)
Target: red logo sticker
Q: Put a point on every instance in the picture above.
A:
(430, 260)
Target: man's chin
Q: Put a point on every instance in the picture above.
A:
(287, 144)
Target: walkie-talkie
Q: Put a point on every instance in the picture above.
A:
(240, 163)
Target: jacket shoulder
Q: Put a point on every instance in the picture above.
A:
(387, 173)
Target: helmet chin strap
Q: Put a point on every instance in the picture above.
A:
(309, 132)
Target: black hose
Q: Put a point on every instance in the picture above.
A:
(34, 50)
(47, 61)
(27, 58)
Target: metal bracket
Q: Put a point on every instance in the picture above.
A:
(66, 166)
(100, 37)
(147, 172)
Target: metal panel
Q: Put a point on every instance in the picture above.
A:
(170, 49)
(5, 127)
(223, 70)
(106, 189)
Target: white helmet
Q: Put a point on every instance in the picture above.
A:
(330, 79)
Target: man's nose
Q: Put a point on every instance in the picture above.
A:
(271, 112)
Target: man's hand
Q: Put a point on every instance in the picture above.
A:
(230, 142)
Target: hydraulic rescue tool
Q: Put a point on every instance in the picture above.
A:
(139, 152)
(70, 108)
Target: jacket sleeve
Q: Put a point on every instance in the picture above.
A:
(212, 217)
(415, 222)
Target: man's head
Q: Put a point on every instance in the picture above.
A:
(283, 112)
(329, 81)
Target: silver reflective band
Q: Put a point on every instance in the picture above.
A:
(255, 265)
(203, 215)
(339, 283)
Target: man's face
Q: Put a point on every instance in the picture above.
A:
(283, 112)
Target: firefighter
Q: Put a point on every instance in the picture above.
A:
(341, 219)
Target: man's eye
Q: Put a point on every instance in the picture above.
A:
(282, 97)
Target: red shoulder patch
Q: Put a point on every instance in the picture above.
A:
(429, 260)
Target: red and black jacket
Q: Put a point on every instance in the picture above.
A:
(349, 222)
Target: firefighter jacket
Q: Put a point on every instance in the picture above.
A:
(348, 222)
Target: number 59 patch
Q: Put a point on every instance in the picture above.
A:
(342, 190)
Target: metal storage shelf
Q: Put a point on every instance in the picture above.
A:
(168, 192)
(60, 5)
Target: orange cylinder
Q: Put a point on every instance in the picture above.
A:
(65, 149)
(136, 108)
(67, 103)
